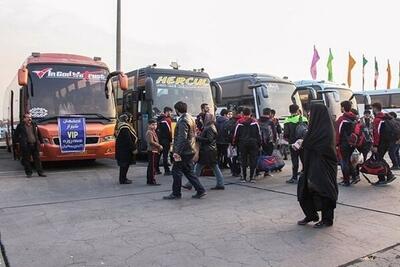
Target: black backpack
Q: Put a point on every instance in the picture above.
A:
(267, 134)
(392, 130)
(301, 129)
(228, 130)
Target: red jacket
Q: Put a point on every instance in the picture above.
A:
(344, 128)
(377, 127)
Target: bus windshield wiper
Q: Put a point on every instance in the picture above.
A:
(95, 114)
(47, 118)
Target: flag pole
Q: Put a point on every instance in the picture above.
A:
(363, 73)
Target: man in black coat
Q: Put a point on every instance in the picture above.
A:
(29, 138)
(184, 150)
(164, 132)
(125, 145)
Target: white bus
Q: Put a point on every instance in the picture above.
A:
(329, 93)
(388, 98)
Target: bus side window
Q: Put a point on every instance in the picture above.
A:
(395, 101)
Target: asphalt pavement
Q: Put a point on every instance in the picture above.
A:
(80, 216)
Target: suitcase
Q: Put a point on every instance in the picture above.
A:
(270, 163)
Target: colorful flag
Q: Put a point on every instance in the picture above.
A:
(329, 65)
(365, 61)
(313, 68)
(389, 76)
(398, 86)
(352, 62)
(376, 74)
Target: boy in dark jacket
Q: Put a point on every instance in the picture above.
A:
(222, 143)
(289, 133)
(380, 145)
(248, 139)
(164, 132)
(344, 129)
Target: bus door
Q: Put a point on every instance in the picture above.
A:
(303, 97)
(332, 102)
(362, 101)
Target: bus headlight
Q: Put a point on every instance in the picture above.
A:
(108, 138)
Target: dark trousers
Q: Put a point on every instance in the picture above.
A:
(296, 157)
(164, 155)
(248, 154)
(222, 155)
(394, 154)
(123, 170)
(313, 203)
(348, 169)
(151, 167)
(28, 152)
(234, 165)
(185, 167)
(382, 149)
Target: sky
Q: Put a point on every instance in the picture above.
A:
(224, 37)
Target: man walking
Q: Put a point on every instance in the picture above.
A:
(291, 134)
(345, 126)
(380, 144)
(29, 138)
(183, 153)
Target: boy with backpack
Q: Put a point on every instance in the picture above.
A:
(385, 131)
(247, 138)
(346, 142)
(294, 128)
(394, 147)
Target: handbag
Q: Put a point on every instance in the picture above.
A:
(374, 166)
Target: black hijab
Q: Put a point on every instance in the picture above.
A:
(320, 162)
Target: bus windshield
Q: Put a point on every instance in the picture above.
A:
(68, 89)
(193, 94)
(279, 97)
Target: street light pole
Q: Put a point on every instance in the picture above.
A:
(118, 65)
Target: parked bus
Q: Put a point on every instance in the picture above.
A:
(330, 94)
(52, 86)
(389, 99)
(150, 89)
(257, 91)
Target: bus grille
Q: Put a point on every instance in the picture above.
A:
(89, 140)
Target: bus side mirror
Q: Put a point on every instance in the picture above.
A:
(148, 87)
(23, 76)
(217, 89)
(123, 81)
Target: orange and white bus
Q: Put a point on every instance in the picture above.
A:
(52, 86)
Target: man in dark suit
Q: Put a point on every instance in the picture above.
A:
(29, 138)
(183, 153)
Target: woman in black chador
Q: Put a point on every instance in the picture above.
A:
(317, 189)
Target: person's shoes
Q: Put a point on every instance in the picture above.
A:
(29, 175)
(380, 183)
(242, 180)
(292, 181)
(322, 224)
(199, 195)
(187, 186)
(267, 174)
(172, 197)
(253, 181)
(344, 183)
(127, 181)
(218, 187)
(158, 172)
(168, 173)
(355, 180)
(41, 174)
(154, 184)
(307, 220)
(390, 179)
